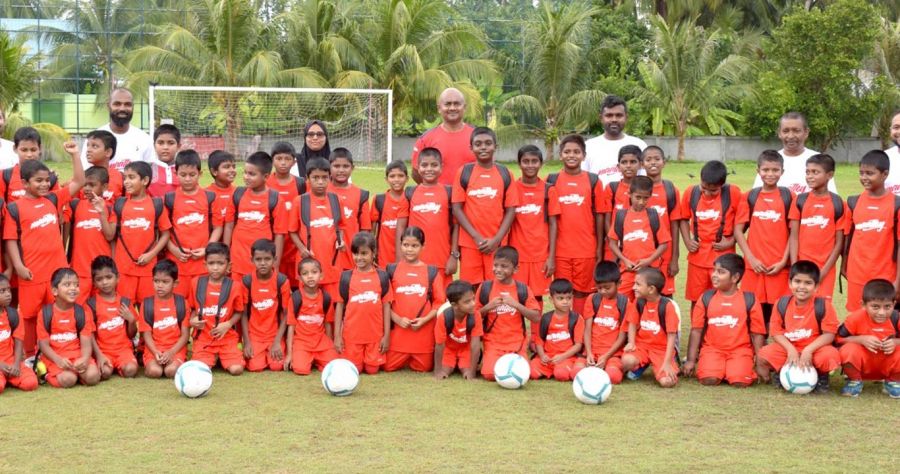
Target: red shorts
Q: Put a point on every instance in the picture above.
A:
(458, 359)
(179, 358)
(366, 357)
(54, 370)
(302, 361)
(532, 274)
(613, 368)
(698, 281)
(26, 381)
(626, 284)
(85, 288)
(826, 285)
(474, 266)
(395, 360)
(121, 358)
(135, 288)
(654, 357)
(854, 295)
(579, 271)
(32, 298)
(564, 371)
(825, 359)
(767, 288)
(227, 353)
(664, 266)
(872, 366)
(489, 358)
(262, 358)
(732, 366)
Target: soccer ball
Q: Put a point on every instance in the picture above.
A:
(797, 380)
(512, 371)
(340, 377)
(591, 386)
(193, 379)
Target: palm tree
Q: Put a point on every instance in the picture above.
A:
(689, 84)
(886, 63)
(18, 71)
(556, 97)
(222, 43)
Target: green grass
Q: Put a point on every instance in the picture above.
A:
(408, 422)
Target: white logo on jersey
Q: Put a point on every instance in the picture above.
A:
(44, 221)
(321, 222)
(769, 215)
(558, 336)
(870, 225)
(634, 235)
(5, 334)
(575, 199)
(63, 337)
(411, 290)
(660, 210)
(89, 224)
(798, 334)
(709, 215)
(650, 326)
(264, 304)
(607, 322)
(460, 339)
(365, 297)
(213, 310)
(348, 213)
(167, 322)
(107, 195)
(427, 207)
(485, 192)
(190, 219)
(391, 224)
(251, 216)
(815, 221)
(313, 319)
(724, 321)
(112, 324)
(138, 223)
(529, 209)
(18, 194)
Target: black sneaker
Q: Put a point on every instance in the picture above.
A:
(822, 386)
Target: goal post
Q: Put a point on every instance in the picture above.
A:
(242, 120)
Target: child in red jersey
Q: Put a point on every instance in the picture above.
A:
(33, 239)
(166, 143)
(430, 209)
(802, 328)
(819, 222)
(354, 202)
(90, 226)
(605, 328)
(315, 223)
(664, 199)
(457, 333)
(258, 213)
(580, 205)
(362, 317)
(194, 224)
(162, 324)
(652, 329)
(617, 192)
(561, 335)
(637, 236)
(309, 332)
(13, 370)
(390, 214)
(288, 187)
(483, 205)
(534, 224)
(763, 213)
(216, 306)
(65, 334)
(418, 293)
(27, 145)
(871, 249)
(868, 341)
(267, 296)
(222, 169)
(707, 229)
(114, 320)
(143, 231)
(729, 325)
(100, 149)
(504, 304)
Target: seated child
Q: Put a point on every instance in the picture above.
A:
(162, 324)
(561, 335)
(116, 325)
(267, 294)
(652, 329)
(309, 329)
(13, 370)
(216, 307)
(457, 334)
(605, 327)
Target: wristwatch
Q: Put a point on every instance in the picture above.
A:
(454, 253)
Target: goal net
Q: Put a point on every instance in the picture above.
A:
(243, 120)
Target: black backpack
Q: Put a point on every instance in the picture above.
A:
(13, 316)
(449, 322)
(169, 203)
(429, 295)
(706, 298)
(818, 308)
(149, 311)
(297, 300)
(7, 177)
(280, 281)
(224, 294)
(661, 310)
(621, 305)
(552, 178)
(119, 208)
(619, 224)
(484, 295)
(344, 284)
(545, 324)
(410, 191)
(836, 203)
(753, 196)
(851, 203)
(273, 203)
(466, 176)
(724, 195)
(47, 317)
(306, 210)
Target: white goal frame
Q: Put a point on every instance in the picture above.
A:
(388, 92)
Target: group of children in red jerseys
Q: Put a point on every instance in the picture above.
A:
(287, 273)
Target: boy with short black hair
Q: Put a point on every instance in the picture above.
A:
(868, 340)
(216, 306)
(115, 321)
(163, 324)
(430, 209)
(458, 332)
(223, 171)
(100, 149)
(267, 296)
(166, 142)
(665, 199)
(652, 329)
(617, 192)
(802, 328)
(27, 145)
(390, 213)
(90, 227)
(309, 330)
(534, 224)
(284, 156)
(354, 200)
(13, 370)
(728, 324)
(605, 321)
(561, 335)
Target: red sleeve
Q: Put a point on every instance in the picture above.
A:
(553, 202)
(458, 194)
(89, 326)
(686, 212)
(776, 322)
(830, 321)
(663, 235)
(218, 219)
(294, 216)
(743, 210)
(373, 214)
(439, 293)
(440, 332)
(280, 215)
(672, 323)
(365, 221)
(677, 212)
(142, 325)
(631, 315)
(510, 196)
(757, 322)
(163, 222)
(531, 302)
(579, 331)
(698, 315)
(237, 301)
(478, 330)
(794, 213)
(846, 222)
(851, 324)
(286, 301)
(389, 296)
(602, 200)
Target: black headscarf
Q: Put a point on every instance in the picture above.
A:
(306, 154)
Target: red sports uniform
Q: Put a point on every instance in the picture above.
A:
(224, 203)
(873, 245)
(454, 147)
(413, 347)
(865, 364)
(530, 233)
(767, 238)
(86, 241)
(638, 242)
(114, 189)
(800, 327)
(112, 332)
(355, 218)
(252, 222)
(288, 192)
(265, 302)
(707, 219)
(457, 344)
(322, 231)
(64, 338)
(138, 228)
(504, 327)
(659, 200)
(726, 351)
(165, 330)
(394, 209)
(576, 241)
(818, 233)
(192, 221)
(650, 341)
(26, 380)
(363, 320)
(310, 343)
(606, 324)
(429, 210)
(205, 348)
(15, 189)
(559, 340)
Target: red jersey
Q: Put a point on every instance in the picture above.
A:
(799, 324)
(165, 180)
(190, 219)
(559, 339)
(86, 235)
(38, 234)
(459, 338)
(818, 227)
(8, 336)
(410, 285)
(165, 330)
(287, 192)
(607, 323)
(355, 205)
(638, 241)
(322, 231)
(363, 321)
(616, 194)
(114, 190)
(138, 228)
(708, 219)
(211, 313)
(429, 210)
(63, 335)
(660, 201)
(252, 221)
(265, 301)
(649, 330)
(224, 204)
(530, 231)
(15, 189)
(455, 150)
(505, 325)
(577, 237)
(768, 234)
(859, 323)
(309, 324)
(872, 249)
(484, 202)
(393, 210)
(726, 321)
(112, 329)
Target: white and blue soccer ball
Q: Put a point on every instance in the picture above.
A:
(193, 379)
(797, 380)
(592, 386)
(340, 377)
(512, 371)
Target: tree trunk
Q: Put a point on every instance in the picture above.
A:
(662, 9)
(682, 131)
(549, 145)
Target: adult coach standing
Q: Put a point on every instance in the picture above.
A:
(602, 153)
(793, 132)
(8, 157)
(132, 143)
(451, 137)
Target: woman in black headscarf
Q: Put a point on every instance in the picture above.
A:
(315, 145)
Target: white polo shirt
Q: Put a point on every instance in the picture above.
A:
(602, 156)
(8, 156)
(133, 145)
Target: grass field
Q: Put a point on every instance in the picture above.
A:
(410, 423)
